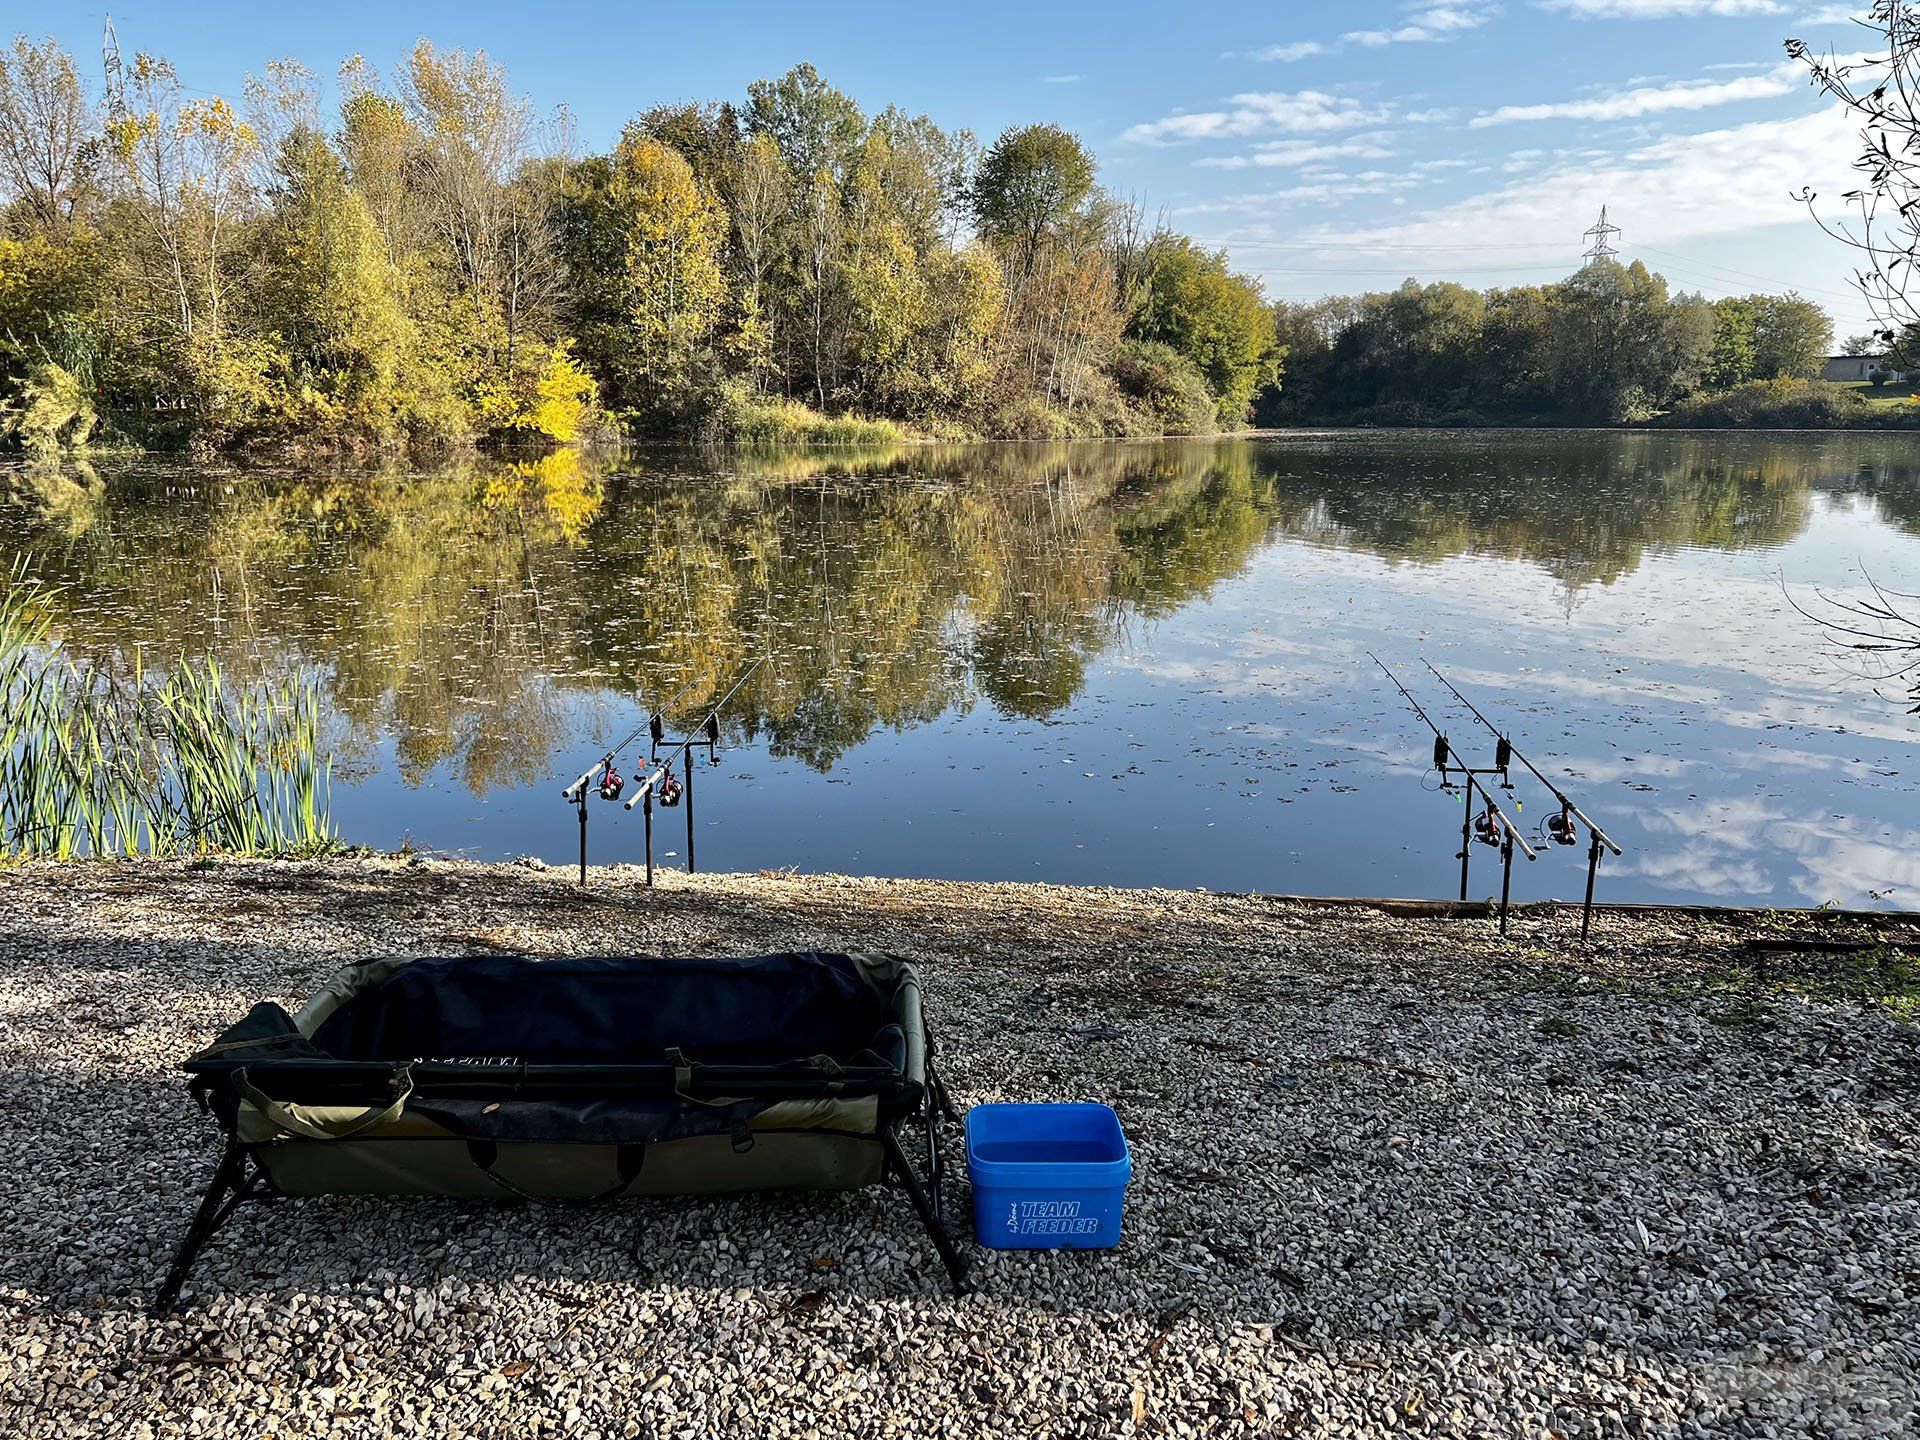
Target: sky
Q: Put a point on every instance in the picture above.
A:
(1327, 148)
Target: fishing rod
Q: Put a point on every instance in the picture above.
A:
(1488, 826)
(1560, 826)
(1494, 827)
(711, 722)
(577, 790)
(1440, 751)
(576, 793)
(1558, 794)
(662, 783)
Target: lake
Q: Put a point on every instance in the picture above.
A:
(1122, 663)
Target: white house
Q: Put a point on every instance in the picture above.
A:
(1857, 369)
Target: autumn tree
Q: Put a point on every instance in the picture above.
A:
(44, 129)
(185, 166)
(761, 187)
(473, 134)
(675, 231)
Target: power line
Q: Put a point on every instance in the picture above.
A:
(1707, 266)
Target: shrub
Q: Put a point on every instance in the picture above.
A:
(1776, 404)
(51, 412)
(1166, 386)
(565, 399)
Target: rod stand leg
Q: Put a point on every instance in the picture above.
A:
(1593, 870)
(950, 1255)
(1466, 840)
(1506, 879)
(583, 836)
(226, 1190)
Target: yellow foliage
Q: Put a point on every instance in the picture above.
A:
(676, 231)
(568, 492)
(565, 398)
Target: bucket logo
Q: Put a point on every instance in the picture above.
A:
(1049, 1217)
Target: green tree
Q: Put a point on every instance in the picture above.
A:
(814, 126)
(1791, 336)
(1623, 346)
(1732, 360)
(328, 288)
(1214, 318)
(1029, 182)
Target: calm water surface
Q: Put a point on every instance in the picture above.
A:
(1124, 663)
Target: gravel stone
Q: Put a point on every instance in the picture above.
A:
(1393, 1176)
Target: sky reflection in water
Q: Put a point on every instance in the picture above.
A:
(1117, 663)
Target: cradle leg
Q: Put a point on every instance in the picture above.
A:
(226, 1190)
(950, 1255)
(943, 1102)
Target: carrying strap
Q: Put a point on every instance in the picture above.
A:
(683, 1069)
(285, 1119)
(628, 1160)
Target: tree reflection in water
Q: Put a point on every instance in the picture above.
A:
(470, 608)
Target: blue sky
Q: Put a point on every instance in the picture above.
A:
(1328, 147)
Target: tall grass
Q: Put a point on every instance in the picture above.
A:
(749, 421)
(94, 764)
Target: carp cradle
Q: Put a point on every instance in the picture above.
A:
(578, 1078)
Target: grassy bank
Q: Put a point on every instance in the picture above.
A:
(1796, 405)
(744, 420)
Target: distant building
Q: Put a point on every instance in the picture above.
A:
(1858, 369)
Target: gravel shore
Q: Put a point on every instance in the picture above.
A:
(1392, 1175)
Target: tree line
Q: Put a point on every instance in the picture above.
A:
(1610, 344)
(434, 262)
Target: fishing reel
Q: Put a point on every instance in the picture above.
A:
(610, 783)
(670, 789)
(1486, 826)
(1560, 826)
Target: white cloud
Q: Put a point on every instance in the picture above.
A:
(1297, 50)
(1427, 24)
(1326, 189)
(1060, 79)
(1676, 189)
(1660, 9)
(1835, 15)
(1298, 112)
(1303, 152)
(1653, 99)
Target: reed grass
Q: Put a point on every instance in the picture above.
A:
(95, 763)
(752, 422)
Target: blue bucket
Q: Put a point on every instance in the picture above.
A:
(1047, 1177)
